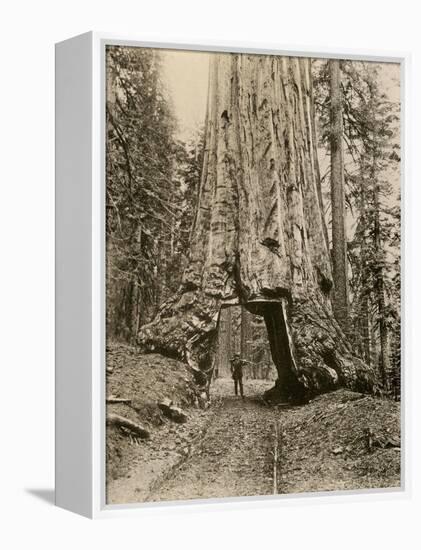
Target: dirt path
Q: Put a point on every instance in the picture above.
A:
(324, 447)
(226, 450)
(234, 458)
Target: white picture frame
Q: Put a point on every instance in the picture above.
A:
(80, 274)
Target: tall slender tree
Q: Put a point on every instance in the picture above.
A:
(378, 160)
(152, 183)
(245, 331)
(371, 160)
(337, 186)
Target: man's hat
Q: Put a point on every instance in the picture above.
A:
(236, 354)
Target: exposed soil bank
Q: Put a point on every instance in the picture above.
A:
(341, 441)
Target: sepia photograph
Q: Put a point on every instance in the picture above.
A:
(253, 275)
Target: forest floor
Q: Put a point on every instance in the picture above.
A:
(339, 441)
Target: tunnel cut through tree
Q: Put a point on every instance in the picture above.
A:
(239, 331)
(259, 236)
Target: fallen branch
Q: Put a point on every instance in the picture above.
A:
(172, 412)
(121, 422)
(113, 399)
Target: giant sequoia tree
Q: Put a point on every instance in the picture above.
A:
(259, 236)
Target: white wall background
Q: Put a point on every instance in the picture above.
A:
(28, 32)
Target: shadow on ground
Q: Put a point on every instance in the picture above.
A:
(47, 495)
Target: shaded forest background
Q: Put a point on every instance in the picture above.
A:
(153, 180)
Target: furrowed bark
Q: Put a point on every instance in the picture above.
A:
(259, 236)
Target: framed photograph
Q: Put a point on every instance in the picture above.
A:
(228, 303)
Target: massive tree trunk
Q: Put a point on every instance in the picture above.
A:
(259, 236)
(337, 186)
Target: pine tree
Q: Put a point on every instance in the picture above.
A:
(337, 186)
(371, 155)
(140, 189)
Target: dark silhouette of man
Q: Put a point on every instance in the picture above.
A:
(237, 373)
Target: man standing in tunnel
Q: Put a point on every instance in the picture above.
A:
(237, 373)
